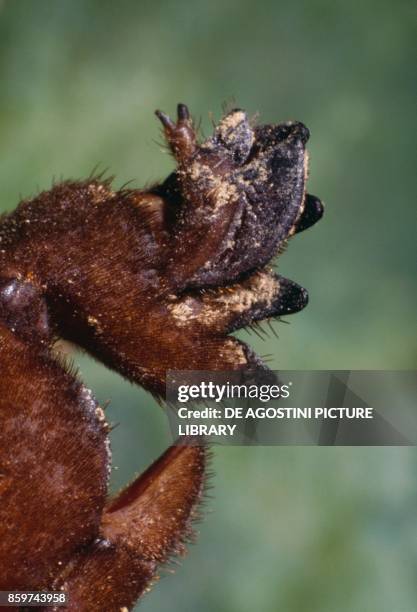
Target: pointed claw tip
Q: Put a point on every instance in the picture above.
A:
(318, 206)
(313, 212)
(182, 112)
(165, 119)
(292, 298)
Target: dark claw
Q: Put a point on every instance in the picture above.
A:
(313, 212)
(180, 135)
(183, 113)
(165, 120)
(291, 298)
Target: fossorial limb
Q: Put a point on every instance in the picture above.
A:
(244, 189)
(145, 281)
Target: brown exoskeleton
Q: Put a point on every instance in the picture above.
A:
(145, 281)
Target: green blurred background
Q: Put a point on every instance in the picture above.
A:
(288, 529)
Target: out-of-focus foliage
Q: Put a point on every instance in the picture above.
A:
(293, 529)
